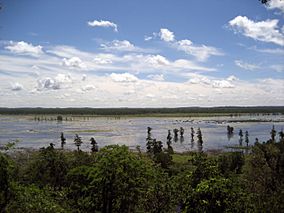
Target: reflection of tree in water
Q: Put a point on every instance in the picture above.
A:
(199, 147)
(169, 142)
(175, 135)
(199, 140)
(181, 139)
(247, 138)
(230, 132)
(63, 140)
(241, 137)
(181, 130)
(192, 133)
(192, 143)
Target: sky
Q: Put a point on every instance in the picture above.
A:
(150, 53)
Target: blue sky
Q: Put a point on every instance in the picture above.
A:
(141, 53)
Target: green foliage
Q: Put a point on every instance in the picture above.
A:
(49, 167)
(115, 183)
(263, 175)
(33, 199)
(231, 163)
(4, 182)
(115, 179)
(213, 195)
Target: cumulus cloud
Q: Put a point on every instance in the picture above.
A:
(59, 82)
(74, 62)
(266, 31)
(117, 45)
(166, 35)
(24, 48)
(157, 60)
(232, 78)
(246, 66)
(222, 84)
(200, 52)
(103, 23)
(16, 86)
(276, 4)
(123, 78)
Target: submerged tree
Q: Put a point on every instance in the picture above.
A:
(241, 137)
(273, 133)
(181, 131)
(199, 136)
(169, 143)
(63, 140)
(192, 133)
(247, 138)
(281, 136)
(94, 144)
(78, 141)
(175, 134)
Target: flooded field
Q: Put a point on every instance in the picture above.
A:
(132, 131)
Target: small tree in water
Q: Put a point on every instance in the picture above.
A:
(199, 136)
(94, 143)
(78, 141)
(273, 134)
(241, 137)
(181, 131)
(169, 143)
(63, 140)
(247, 137)
(192, 133)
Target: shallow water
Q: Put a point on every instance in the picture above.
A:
(132, 131)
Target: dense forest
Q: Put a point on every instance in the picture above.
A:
(143, 111)
(115, 179)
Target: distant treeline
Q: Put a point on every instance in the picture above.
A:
(144, 111)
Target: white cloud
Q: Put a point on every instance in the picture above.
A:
(103, 59)
(166, 35)
(157, 60)
(84, 77)
(222, 84)
(276, 4)
(74, 62)
(246, 66)
(201, 53)
(123, 78)
(157, 77)
(24, 48)
(266, 31)
(16, 86)
(277, 67)
(124, 45)
(59, 82)
(103, 23)
(276, 51)
(88, 87)
(232, 78)
(148, 38)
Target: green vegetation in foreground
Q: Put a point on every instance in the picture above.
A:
(182, 111)
(114, 179)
